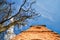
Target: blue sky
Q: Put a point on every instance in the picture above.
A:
(49, 10)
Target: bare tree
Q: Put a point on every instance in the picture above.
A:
(18, 18)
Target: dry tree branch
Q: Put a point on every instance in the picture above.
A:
(16, 13)
(13, 23)
(4, 28)
(29, 7)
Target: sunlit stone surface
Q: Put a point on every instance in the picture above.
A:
(37, 33)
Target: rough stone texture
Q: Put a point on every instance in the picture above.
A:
(37, 33)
